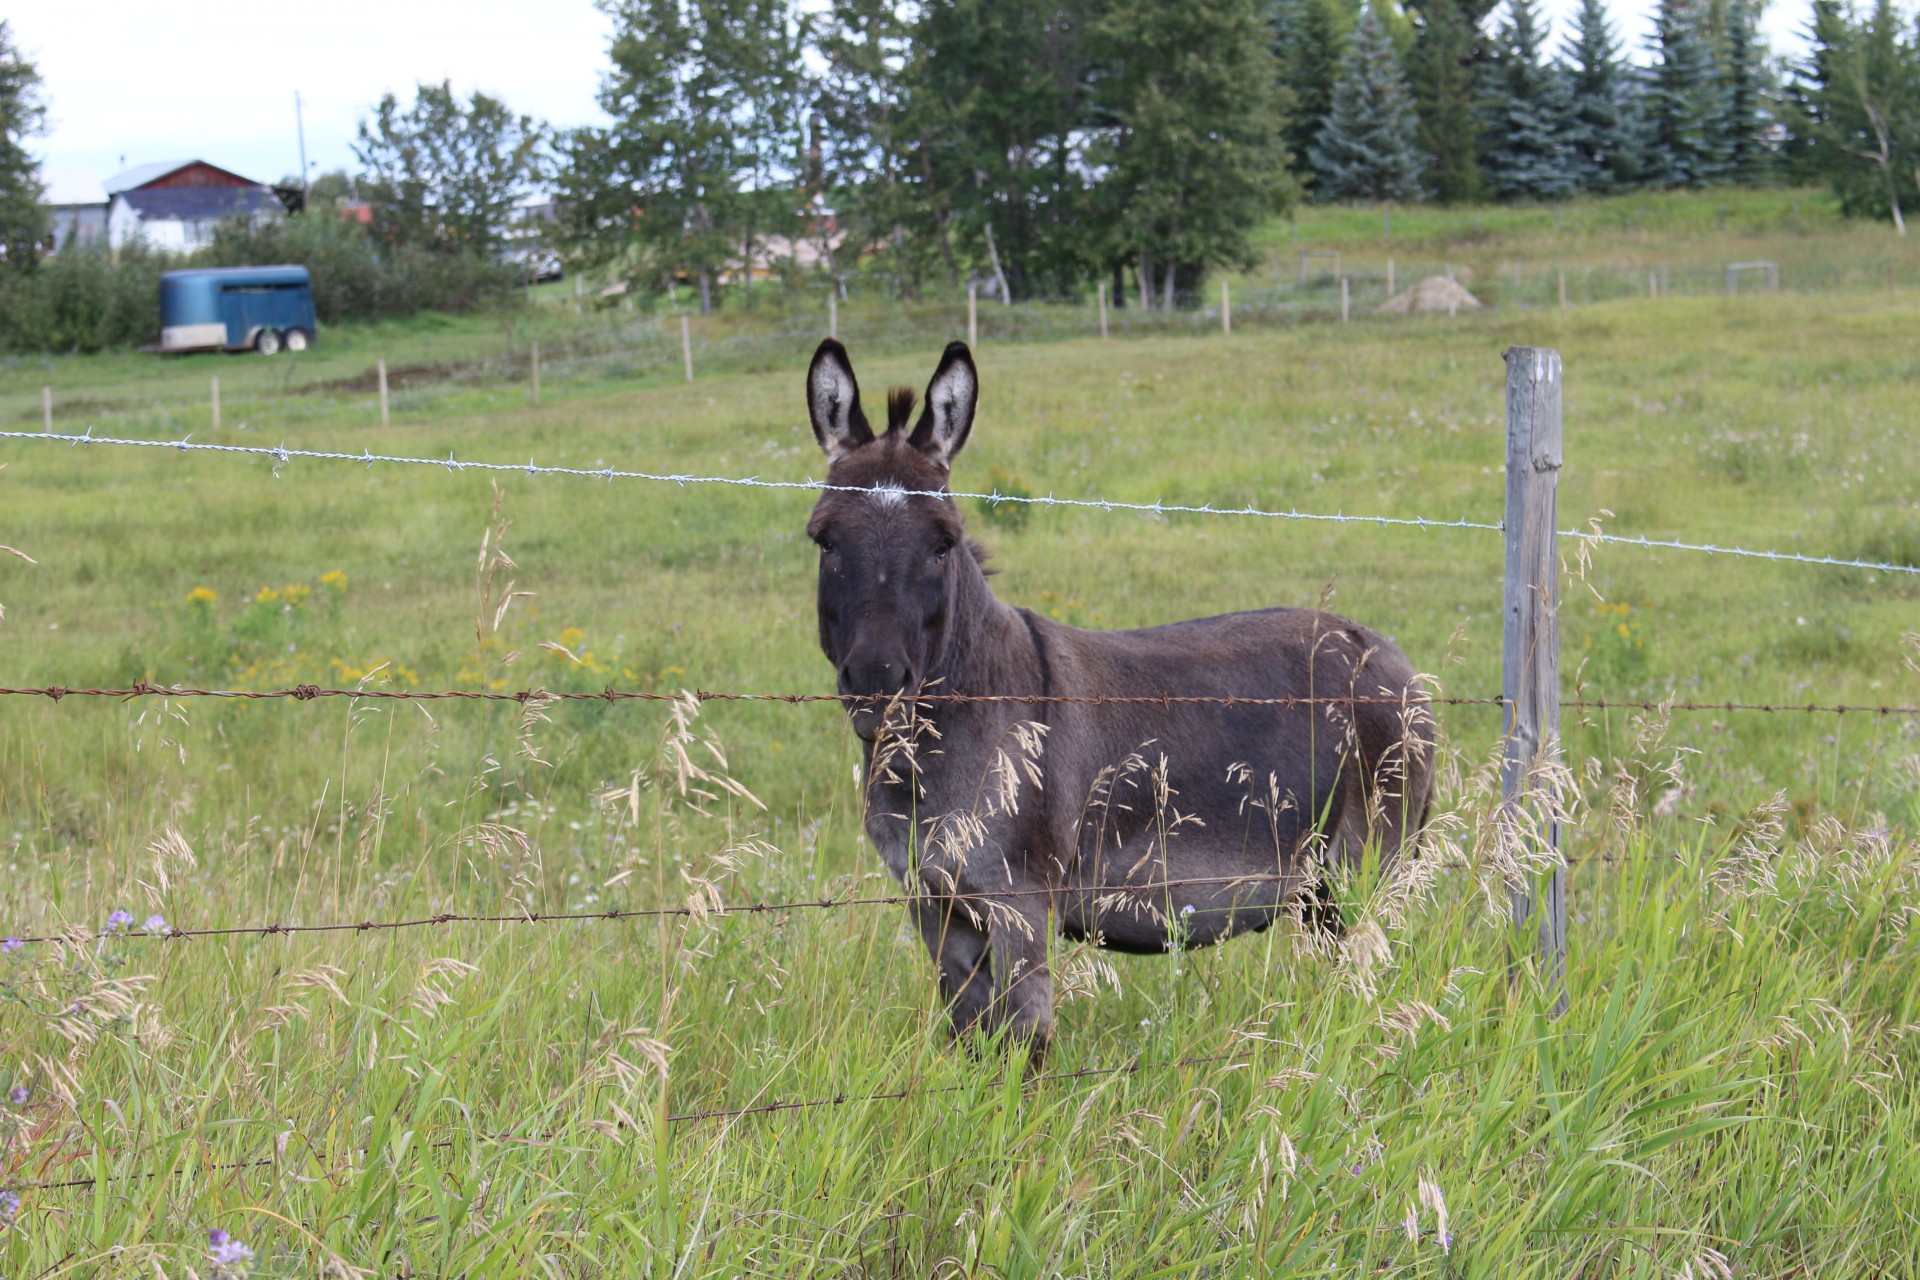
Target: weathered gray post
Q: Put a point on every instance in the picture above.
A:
(383, 391)
(686, 346)
(1226, 310)
(1346, 301)
(833, 315)
(1390, 289)
(973, 315)
(46, 410)
(1531, 637)
(216, 402)
(536, 372)
(1563, 278)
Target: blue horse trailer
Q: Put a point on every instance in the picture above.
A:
(237, 309)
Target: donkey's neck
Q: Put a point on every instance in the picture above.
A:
(990, 649)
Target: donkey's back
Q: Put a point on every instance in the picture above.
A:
(1318, 749)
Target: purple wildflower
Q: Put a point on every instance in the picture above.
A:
(10, 944)
(9, 1205)
(119, 920)
(157, 924)
(17, 1095)
(225, 1250)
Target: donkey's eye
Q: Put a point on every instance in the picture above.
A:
(941, 548)
(825, 544)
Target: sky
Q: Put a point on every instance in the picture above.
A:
(132, 83)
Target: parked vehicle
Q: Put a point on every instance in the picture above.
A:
(237, 309)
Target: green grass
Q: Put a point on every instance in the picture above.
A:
(1732, 1081)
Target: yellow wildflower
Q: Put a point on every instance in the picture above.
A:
(202, 595)
(267, 595)
(334, 578)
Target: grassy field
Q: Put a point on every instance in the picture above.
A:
(1731, 1092)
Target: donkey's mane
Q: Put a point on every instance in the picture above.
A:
(899, 408)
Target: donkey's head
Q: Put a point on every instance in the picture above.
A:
(893, 551)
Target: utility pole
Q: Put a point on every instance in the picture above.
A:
(300, 127)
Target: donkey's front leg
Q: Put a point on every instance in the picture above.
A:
(1017, 933)
(959, 949)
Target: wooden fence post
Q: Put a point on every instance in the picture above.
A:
(1103, 308)
(216, 402)
(46, 410)
(1346, 302)
(1390, 289)
(686, 346)
(536, 373)
(383, 391)
(1226, 310)
(1563, 279)
(1531, 640)
(973, 315)
(833, 315)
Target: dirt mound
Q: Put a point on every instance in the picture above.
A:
(1435, 293)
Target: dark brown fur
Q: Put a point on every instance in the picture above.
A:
(1109, 799)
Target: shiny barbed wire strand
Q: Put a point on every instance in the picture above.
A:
(280, 455)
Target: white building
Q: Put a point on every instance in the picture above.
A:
(174, 206)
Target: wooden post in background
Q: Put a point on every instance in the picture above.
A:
(833, 315)
(1226, 310)
(1103, 308)
(1390, 289)
(46, 410)
(973, 315)
(1563, 281)
(1531, 641)
(686, 346)
(1346, 301)
(216, 402)
(536, 372)
(383, 391)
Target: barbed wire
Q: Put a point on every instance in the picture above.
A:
(281, 455)
(717, 1113)
(700, 912)
(310, 692)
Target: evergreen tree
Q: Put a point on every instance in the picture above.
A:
(22, 115)
(1368, 149)
(1000, 91)
(1749, 157)
(1685, 104)
(704, 97)
(1310, 43)
(1524, 105)
(1196, 157)
(1442, 68)
(1594, 126)
(863, 134)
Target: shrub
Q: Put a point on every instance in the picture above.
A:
(83, 300)
(355, 277)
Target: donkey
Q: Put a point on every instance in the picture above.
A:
(1142, 824)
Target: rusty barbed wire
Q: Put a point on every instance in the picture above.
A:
(310, 692)
(174, 933)
(698, 1117)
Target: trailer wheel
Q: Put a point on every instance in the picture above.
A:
(297, 340)
(267, 343)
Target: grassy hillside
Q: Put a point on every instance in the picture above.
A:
(1727, 1088)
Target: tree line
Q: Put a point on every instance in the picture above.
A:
(1034, 147)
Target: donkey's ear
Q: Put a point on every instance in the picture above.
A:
(948, 416)
(833, 402)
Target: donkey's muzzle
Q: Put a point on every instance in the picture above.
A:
(871, 681)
